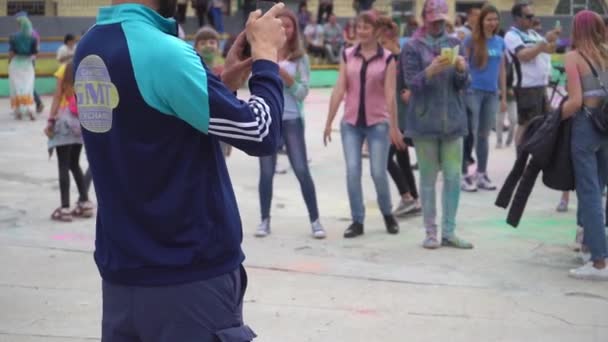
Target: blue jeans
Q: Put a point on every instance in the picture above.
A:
(377, 137)
(484, 107)
(293, 136)
(436, 155)
(590, 160)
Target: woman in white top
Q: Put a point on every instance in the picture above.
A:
(295, 73)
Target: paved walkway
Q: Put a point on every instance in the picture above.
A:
(511, 287)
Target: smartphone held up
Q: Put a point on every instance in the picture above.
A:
(264, 6)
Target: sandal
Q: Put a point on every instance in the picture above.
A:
(83, 210)
(62, 214)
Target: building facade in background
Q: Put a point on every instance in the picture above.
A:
(343, 8)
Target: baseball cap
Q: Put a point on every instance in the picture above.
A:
(435, 10)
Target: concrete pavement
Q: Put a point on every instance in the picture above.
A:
(512, 287)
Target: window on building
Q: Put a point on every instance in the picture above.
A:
(31, 7)
(571, 7)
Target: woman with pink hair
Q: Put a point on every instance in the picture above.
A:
(587, 72)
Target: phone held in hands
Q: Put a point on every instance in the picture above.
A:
(265, 6)
(451, 54)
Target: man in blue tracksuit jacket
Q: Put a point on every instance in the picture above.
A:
(168, 240)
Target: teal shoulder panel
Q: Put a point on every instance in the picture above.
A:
(169, 74)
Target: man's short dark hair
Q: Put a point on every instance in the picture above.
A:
(518, 9)
(68, 38)
(206, 33)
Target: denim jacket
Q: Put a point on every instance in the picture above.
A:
(437, 108)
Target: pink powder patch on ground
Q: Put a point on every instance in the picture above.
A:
(369, 312)
(309, 267)
(71, 237)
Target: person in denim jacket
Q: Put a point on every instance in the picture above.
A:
(436, 118)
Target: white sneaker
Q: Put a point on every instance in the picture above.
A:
(263, 229)
(588, 272)
(467, 184)
(484, 182)
(405, 207)
(318, 232)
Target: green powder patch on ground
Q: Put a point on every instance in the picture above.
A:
(541, 228)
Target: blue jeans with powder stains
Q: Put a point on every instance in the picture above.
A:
(436, 155)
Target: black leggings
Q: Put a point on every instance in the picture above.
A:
(68, 157)
(468, 143)
(401, 171)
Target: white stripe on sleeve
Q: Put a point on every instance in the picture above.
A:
(255, 130)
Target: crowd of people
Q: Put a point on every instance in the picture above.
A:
(169, 232)
(440, 94)
(324, 38)
(63, 128)
(208, 12)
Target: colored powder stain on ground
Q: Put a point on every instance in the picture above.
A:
(366, 312)
(308, 267)
(72, 237)
(557, 230)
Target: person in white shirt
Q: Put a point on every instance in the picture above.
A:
(65, 53)
(531, 57)
(314, 38)
(332, 32)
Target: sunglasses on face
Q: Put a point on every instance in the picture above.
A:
(528, 16)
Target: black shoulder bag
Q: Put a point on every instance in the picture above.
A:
(599, 115)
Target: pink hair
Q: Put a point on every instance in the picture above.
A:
(589, 37)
